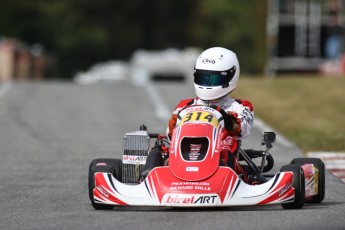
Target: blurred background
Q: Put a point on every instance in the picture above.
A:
(63, 39)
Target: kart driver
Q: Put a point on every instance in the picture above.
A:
(216, 74)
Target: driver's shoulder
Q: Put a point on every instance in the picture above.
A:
(245, 103)
(186, 102)
(237, 104)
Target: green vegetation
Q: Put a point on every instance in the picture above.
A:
(308, 110)
(79, 33)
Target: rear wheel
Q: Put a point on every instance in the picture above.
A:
(297, 184)
(318, 163)
(115, 163)
(113, 166)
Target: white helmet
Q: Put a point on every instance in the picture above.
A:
(216, 73)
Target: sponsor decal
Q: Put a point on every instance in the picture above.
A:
(247, 115)
(102, 190)
(284, 189)
(173, 199)
(309, 187)
(194, 154)
(228, 141)
(197, 108)
(135, 160)
(208, 61)
(192, 169)
(180, 186)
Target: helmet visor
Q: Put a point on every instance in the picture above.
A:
(214, 78)
(210, 79)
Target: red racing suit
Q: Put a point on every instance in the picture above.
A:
(243, 108)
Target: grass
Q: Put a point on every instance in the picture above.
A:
(309, 110)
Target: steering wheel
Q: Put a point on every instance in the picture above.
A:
(228, 121)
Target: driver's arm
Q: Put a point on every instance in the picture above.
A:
(245, 115)
(173, 119)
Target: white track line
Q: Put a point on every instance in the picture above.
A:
(161, 108)
(4, 88)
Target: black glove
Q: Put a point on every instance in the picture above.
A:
(228, 120)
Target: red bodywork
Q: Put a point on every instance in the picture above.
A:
(193, 176)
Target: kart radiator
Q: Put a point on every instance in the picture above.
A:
(135, 151)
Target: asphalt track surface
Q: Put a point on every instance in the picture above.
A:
(49, 133)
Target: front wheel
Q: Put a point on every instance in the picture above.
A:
(113, 166)
(297, 184)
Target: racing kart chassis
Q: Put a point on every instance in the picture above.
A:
(171, 174)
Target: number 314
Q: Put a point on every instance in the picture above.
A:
(196, 116)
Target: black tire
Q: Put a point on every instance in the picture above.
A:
(318, 163)
(298, 184)
(115, 163)
(113, 166)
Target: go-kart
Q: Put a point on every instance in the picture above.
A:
(188, 171)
